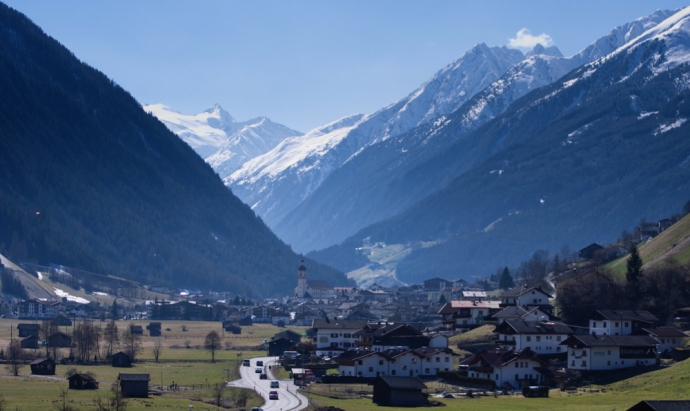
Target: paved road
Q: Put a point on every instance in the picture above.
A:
(288, 397)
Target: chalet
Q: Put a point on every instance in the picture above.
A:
(399, 391)
(179, 310)
(510, 369)
(467, 314)
(608, 352)
(262, 313)
(306, 318)
(289, 335)
(542, 337)
(134, 385)
(436, 284)
(30, 342)
(27, 330)
(396, 362)
(380, 337)
(588, 252)
(60, 339)
(121, 359)
(245, 321)
(514, 312)
(154, 329)
(335, 336)
(669, 338)
(37, 309)
(621, 322)
(42, 366)
(661, 405)
(524, 296)
(82, 382)
(278, 346)
(136, 329)
(62, 321)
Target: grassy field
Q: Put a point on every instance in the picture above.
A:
(187, 367)
(661, 247)
(672, 383)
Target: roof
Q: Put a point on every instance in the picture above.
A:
(29, 326)
(499, 358)
(665, 332)
(678, 405)
(338, 324)
(478, 294)
(403, 383)
(534, 327)
(520, 290)
(454, 305)
(319, 285)
(511, 311)
(134, 377)
(40, 361)
(379, 330)
(630, 315)
(611, 340)
(82, 376)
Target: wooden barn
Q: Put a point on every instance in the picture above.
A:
(42, 366)
(289, 335)
(121, 359)
(246, 321)
(154, 329)
(399, 391)
(60, 339)
(663, 405)
(82, 382)
(63, 321)
(278, 346)
(134, 385)
(30, 342)
(136, 329)
(27, 330)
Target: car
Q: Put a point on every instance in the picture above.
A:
(275, 384)
(273, 395)
(246, 363)
(263, 376)
(256, 409)
(259, 363)
(258, 370)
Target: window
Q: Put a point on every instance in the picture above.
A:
(334, 344)
(334, 335)
(359, 362)
(426, 370)
(447, 359)
(529, 338)
(608, 362)
(594, 324)
(347, 335)
(347, 344)
(535, 301)
(404, 367)
(371, 369)
(584, 363)
(558, 338)
(573, 364)
(616, 326)
(558, 349)
(414, 361)
(360, 373)
(380, 362)
(673, 341)
(609, 352)
(538, 337)
(438, 359)
(393, 372)
(584, 353)
(625, 324)
(496, 377)
(428, 359)
(392, 361)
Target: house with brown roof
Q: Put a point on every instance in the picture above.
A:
(384, 336)
(82, 382)
(609, 352)
(621, 322)
(669, 337)
(134, 385)
(395, 362)
(42, 366)
(464, 314)
(510, 369)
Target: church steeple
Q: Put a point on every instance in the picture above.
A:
(301, 289)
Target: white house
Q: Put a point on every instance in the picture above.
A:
(335, 336)
(384, 336)
(608, 352)
(620, 322)
(669, 337)
(542, 337)
(38, 309)
(509, 368)
(464, 314)
(397, 362)
(525, 297)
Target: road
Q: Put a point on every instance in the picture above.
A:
(288, 397)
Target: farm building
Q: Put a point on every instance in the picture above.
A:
(399, 391)
(134, 385)
(121, 359)
(42, 366)
(82, 382)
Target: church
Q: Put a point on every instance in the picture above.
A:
(313, 289)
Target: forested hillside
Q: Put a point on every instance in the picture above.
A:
(88, 179)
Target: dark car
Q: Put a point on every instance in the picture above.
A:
(259, 363)
(258, 370)
(273, 395)
(263, 376)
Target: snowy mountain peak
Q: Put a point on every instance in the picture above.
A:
(539, 49)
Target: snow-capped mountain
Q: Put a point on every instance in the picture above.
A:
(276, 182)
(384, 178)
(216, 136)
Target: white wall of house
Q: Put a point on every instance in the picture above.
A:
(438, 341)
(603, 358)
(668, 344)
(404, 365)
(541, 344)
(512, 373)
(533, 297)
(608, 327)
(336, 337)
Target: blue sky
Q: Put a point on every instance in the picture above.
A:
(303, 63)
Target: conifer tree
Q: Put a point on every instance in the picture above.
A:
(506, 281)
(634, 266)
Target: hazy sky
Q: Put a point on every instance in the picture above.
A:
(305, 63)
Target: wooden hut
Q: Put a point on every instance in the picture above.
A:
(63, 321)
(278, 346)
(399, 391)
(663, 405)
(136, 329)
(42, 366)
(82, 382)
(134, 385)
(60, 339)
(27, 330)
(154, 329)
(30, 342)
(121, 359)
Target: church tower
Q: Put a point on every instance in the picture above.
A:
(301, 280)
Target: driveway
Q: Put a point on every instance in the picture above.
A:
(288, 397)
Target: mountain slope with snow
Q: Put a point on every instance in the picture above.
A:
(225, 143)
(279, 180)
(574, 162)
(386, 178)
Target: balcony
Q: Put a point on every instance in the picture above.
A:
(363, 343)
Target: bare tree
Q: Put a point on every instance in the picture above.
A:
(117, 400)
(62, 404)
(15, 357)
(131, 342)
(212, 343)
(47, 329)
(111, 337)
(157, 348)
(219, 393)
(86, 339)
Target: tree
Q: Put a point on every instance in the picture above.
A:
(131, 342)
(47, 329)
(86, 338)
(114, 310)
(111, 337)
(157, 348)
(62, 404)
(634, 266)
(442, 299)
(506, 281)
(212, 343)
(15, 357)
(219, 393)
(686, 208)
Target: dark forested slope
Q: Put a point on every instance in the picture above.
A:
(116, 191)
